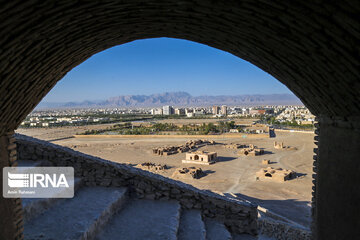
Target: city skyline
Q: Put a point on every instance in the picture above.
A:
(152, 66)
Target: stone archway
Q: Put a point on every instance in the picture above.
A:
(311, 47)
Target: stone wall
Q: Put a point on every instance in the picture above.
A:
(10, 208)
(281, 228)
(336, 197)
(238, 216)
(282, 231)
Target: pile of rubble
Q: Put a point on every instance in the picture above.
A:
(265, 161)
(251, 151)
(189, 172)
(281, 146)
(152, 167)
(234, 145)
(278, 174)
(189, 145)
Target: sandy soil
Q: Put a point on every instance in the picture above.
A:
(232, 173)
(54, 134)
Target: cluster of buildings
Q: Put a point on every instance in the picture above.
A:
(87, 112)
(301, 115)
(59, 117)
(65, 117)
(49, 121)
(216, 111)
(220, 111)
(189, 112)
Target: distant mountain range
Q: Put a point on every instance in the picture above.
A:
(180, 99)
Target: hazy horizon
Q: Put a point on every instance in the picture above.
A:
(179, 99)
(159, 93)
(151, 66)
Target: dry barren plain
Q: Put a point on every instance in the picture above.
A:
(232, 173)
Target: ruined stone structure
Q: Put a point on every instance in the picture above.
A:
(200, 157)
(257, 128)
(191, 144)
(152, 167)
(189, 172)
(165, 151)
(265, 161)
(280, 145)
(310, 46)
(251, 151)
(278, 174)
(234, 146)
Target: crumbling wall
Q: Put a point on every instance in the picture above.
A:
(278, 174)
(278, 145)
(191, 144)
(152, 167)
(238, 216)
(251, 151)
(265, 161)
(235, 145)
(188, 173)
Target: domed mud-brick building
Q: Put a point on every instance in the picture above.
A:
(310, 46)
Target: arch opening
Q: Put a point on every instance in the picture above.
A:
(274, 36)
(212, 130)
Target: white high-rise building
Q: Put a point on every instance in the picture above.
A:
(157, 111)
(168, 110)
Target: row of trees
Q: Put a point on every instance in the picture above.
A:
(167, 128)
(290, 124)
(126, 128)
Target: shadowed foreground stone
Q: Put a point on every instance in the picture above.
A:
(144, 219)
(191, 226)
(79, 217)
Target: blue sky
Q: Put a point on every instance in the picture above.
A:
(162, 65)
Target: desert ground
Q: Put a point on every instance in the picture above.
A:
(231, 173)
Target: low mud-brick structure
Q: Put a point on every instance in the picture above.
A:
(200, 157)
(188, 173)
(280, 145)
(278, 174)
(251, 151)
(189, 145)
(234, 145)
